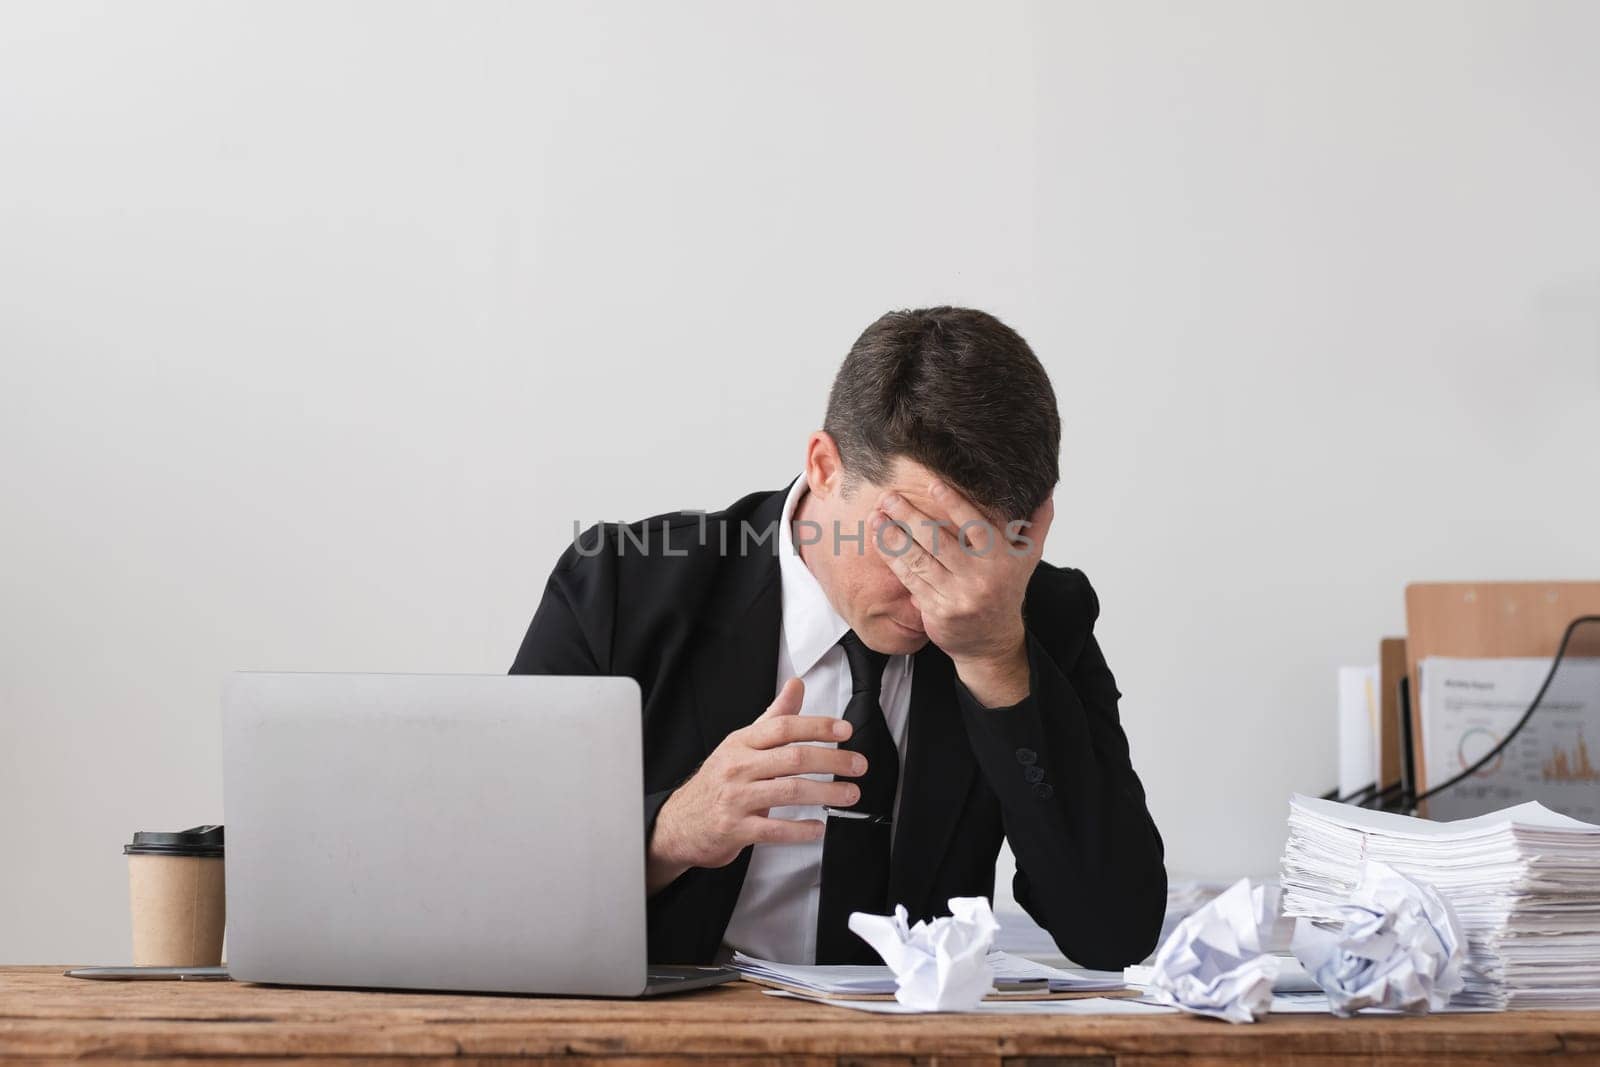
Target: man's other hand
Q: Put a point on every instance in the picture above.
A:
(712, 817)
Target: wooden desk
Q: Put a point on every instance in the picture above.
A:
(44, 1017)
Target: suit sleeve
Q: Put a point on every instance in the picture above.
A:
(571, 630)
(1089, 858)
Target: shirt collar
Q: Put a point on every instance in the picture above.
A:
(810, 624)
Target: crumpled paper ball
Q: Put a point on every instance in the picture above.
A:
(1213, 963)
(941, 965)
(1397, 944)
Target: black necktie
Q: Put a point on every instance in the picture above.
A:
(855, 851)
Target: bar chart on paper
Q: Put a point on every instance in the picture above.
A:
(1561, 767)
(1470, 705)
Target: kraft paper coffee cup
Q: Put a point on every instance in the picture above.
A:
(175, 895)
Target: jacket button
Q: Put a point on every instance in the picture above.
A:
(1034, 774)
(1027, 757)
(1044, 790)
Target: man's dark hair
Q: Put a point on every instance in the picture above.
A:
(959, 392)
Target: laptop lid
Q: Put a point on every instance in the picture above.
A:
(453, 832)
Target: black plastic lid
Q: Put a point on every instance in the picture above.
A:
(195, 841)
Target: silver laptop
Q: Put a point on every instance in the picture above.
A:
(449, 832)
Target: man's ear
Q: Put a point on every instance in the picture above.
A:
(824, 468)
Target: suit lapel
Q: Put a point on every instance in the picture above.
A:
(736, 666)
(736, 637)
(733, 675)
(939, 770)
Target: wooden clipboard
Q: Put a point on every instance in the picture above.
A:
(1487, 620)
(1391, 668)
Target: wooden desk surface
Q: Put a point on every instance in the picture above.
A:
(45, 1016)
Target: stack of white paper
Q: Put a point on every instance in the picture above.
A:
(1525, 883)
(1011, 973)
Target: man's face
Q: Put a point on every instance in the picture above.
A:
(855, 575)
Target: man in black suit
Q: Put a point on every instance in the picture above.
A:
(856, 687)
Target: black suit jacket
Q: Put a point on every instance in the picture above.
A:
(688, 605)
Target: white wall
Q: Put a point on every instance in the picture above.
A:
(320, 323)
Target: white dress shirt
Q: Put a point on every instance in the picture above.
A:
(776, 916)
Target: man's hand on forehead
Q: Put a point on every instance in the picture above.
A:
(966, 575)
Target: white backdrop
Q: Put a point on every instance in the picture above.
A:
(321, 322)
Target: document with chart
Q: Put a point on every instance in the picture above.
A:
(1469, 706)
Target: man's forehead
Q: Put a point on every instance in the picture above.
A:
(911, 480)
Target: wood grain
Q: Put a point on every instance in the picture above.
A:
(46, 1017)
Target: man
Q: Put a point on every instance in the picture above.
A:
(856, 687)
